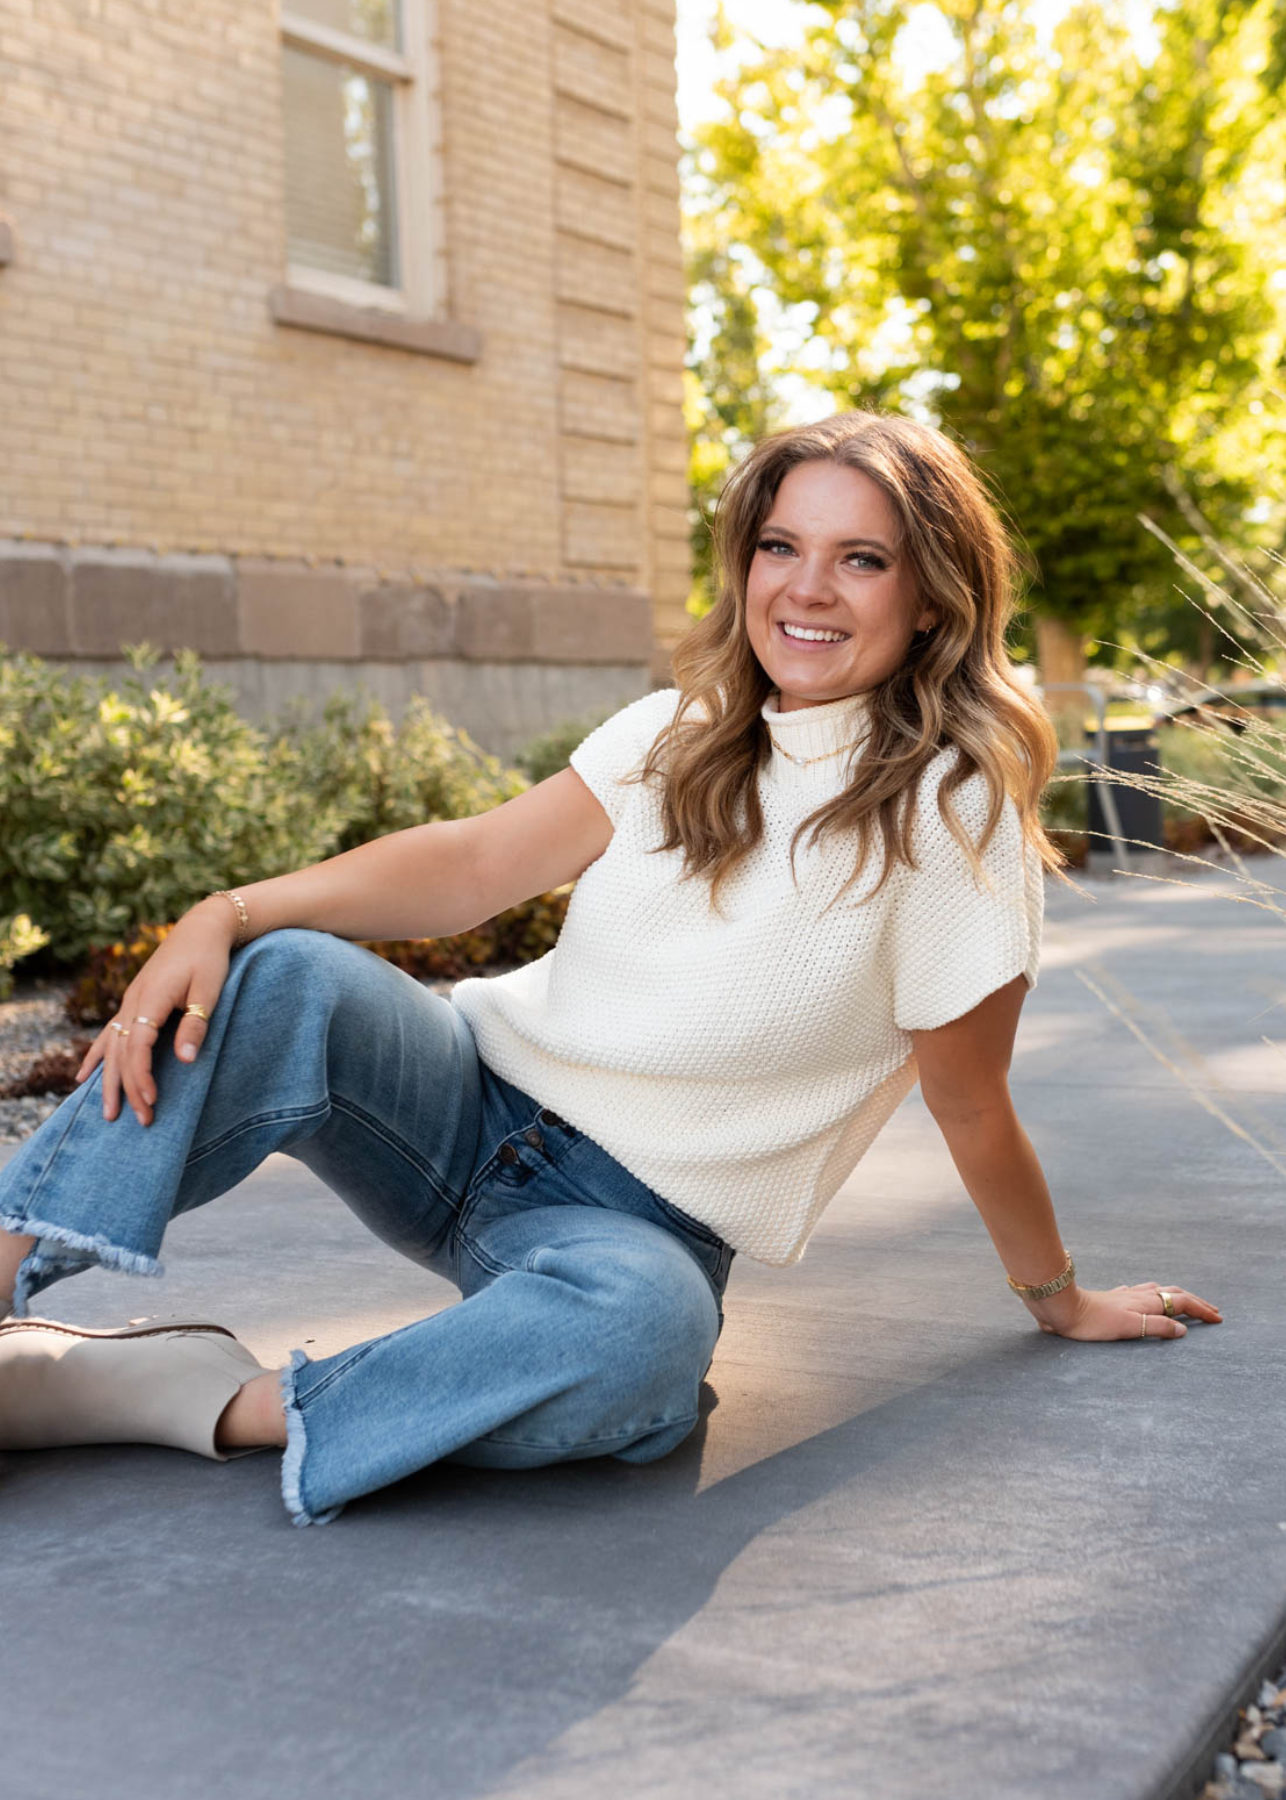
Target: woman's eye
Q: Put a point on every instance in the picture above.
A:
(864, 559)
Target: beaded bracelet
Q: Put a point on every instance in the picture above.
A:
(243, 917)
(1041, 1290)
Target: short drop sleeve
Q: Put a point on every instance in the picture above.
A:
(617, 747)
(953, 942)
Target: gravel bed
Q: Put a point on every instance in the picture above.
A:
(34, 1020)
(1255, 1765)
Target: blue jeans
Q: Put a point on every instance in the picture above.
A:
(590, 1306)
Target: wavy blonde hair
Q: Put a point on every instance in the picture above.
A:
(956, 687)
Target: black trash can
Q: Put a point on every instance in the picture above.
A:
(1133, 750)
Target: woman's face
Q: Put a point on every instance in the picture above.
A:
(826, 561)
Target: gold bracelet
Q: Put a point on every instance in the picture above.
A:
(1041, 1290)
(243, 917)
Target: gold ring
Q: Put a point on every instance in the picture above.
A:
(196, 1011)
(1166, 1300)
(1143, 1325)
(139, 1019)
(123, 1030)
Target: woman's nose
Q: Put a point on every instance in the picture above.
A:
(810, 580)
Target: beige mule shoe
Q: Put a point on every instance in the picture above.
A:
(146, 1384)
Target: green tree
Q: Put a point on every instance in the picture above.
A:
(728, 402)
(1060, 251)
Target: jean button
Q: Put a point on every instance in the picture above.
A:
(507, 1153)
(550, 1118)
(533, 1137)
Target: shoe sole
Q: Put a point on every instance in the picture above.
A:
(118, 1331)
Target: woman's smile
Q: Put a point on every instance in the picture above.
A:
(793, 635)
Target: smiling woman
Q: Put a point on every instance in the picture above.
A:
(583, 1144)
(875, 535)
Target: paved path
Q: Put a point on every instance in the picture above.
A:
(916, 1548)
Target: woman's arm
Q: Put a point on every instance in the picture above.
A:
(964, 1077)
(438, 879)
(430, 881)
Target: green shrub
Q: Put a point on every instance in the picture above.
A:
(18, 938)
(1248, 765)
(377, 777)
(125, 802)
(1064, 806)
(128, 802)
(548, 755)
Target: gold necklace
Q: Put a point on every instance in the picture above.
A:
(804, 761)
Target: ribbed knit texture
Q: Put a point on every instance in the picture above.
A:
(741, 1066)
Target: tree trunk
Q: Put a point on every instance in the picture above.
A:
(1060, 656)
(1205, 656)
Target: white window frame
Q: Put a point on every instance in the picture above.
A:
(412, 73)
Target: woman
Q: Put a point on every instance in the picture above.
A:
(806, 877)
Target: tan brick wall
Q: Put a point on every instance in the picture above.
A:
(620, 269)
(152, 402)
(668, 574)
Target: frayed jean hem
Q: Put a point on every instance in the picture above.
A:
(292, 1463)
(43, 1261)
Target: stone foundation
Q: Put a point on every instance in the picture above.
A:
(506, 660)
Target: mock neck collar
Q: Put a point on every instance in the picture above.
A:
(814, 731)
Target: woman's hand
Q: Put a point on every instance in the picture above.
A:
(190, 967)
(1100, 1316)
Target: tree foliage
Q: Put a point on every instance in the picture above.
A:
(1062, 247)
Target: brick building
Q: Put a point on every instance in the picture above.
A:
(343, 342)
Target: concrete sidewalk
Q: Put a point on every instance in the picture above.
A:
(916, 1547)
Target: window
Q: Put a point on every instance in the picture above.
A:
(358, 125)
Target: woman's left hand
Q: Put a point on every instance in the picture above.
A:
(1100, 1316)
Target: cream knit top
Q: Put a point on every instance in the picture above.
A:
(741, 1066)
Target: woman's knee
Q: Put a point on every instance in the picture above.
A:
(275, 1019)
(293, 951)
(675, 1320)
(656, 1320)
(306, 972)
(664, 1323)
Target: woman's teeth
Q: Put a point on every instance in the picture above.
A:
(815, 637)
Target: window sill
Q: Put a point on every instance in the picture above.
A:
(372, 325)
